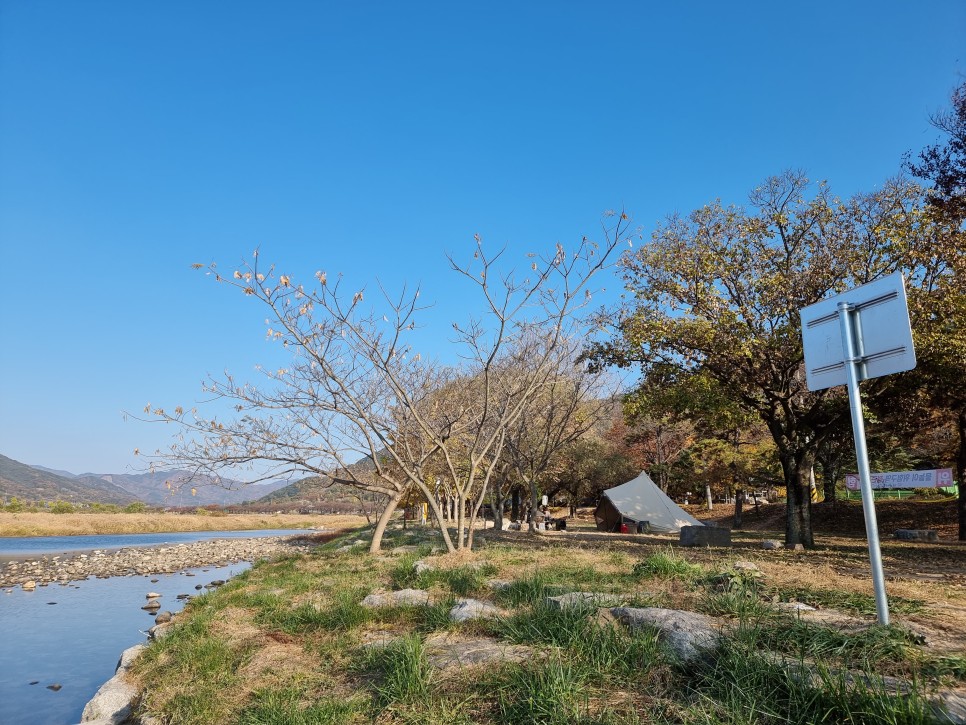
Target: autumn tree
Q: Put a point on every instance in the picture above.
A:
(357, 388)
(571, 399)
(719, 291)
(940, 309)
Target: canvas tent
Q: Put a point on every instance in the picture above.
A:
(639, 501)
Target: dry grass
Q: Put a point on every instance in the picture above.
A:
(47, 524)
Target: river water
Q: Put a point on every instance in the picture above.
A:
(73, 635)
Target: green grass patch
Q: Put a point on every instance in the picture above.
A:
(741, 686)
(855, 602)
(294, 706)
(402, 673)
(667, 565)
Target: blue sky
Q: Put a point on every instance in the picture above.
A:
(369, 138)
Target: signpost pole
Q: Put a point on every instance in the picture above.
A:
(852, 359)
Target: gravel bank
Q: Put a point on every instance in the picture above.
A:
(65, 568)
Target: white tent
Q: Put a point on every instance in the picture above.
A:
(638, 501)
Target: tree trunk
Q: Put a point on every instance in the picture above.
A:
(515, 504)
(707, 496)
(829, 476)
(383, 521)
(798, 515)
(497, 498)
(739, 502)
(960, 473)
(534, 505)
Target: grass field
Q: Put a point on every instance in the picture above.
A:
(288, 641)
(48, 524)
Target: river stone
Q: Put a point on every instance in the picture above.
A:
(29, 586)
(405, 597)
(583, 600)
(160, 631)
(688, 634)
(467, 609)
(112, 702)
(152, 595)
(163, 617)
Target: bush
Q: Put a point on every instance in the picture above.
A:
(15, 506)
(137, 507)
(61, 507)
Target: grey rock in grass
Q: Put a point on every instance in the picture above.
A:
(949, 707)
(447, 650)
(498, 585)
(745, 566)
(404, 549)
(420, 566)
(112, 702)
(163, 617)
(689, 634)
(467, 609)
(585, 600)
(795, 607)
(403, 597)
(772, 545)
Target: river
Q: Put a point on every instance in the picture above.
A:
(72, 635)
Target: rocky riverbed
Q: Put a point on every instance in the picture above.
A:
(66, 568)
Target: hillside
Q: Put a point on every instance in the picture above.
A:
(315, 490)
(33, 484)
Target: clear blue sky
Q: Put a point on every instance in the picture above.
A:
(369, 138)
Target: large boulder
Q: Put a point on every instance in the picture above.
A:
(688, 634)
(112, 702)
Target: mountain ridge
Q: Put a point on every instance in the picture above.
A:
(158, 488)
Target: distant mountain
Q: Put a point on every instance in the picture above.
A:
(34, 484)
(55, 471)
(158, 488)
(178, 488)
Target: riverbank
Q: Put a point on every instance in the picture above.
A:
(78, 524)
(63, 569)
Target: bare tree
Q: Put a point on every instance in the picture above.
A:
(357, 389)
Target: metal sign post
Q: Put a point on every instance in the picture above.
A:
(852, 360)
(874, 339)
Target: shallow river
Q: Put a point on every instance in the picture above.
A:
(73, 635)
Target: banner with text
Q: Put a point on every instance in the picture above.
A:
(940, 477)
